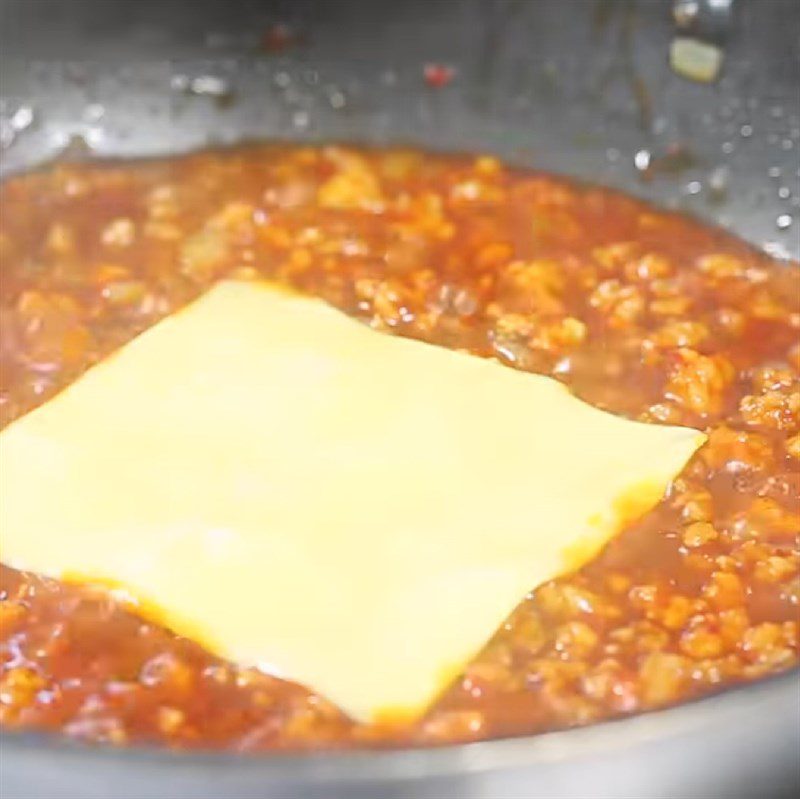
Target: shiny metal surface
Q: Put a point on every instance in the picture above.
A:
(711, 19)
(736, 746)
(576, 86)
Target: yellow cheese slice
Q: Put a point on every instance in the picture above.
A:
(350, 510)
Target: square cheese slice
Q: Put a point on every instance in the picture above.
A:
(350, 510)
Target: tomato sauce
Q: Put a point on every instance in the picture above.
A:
(645, 313)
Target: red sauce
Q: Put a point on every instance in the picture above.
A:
(648, 314)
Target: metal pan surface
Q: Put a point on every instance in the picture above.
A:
(581, 87)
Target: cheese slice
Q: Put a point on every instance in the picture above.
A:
(350, 510)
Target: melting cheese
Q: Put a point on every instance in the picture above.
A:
(350, 510)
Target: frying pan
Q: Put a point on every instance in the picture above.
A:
(581, 87)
